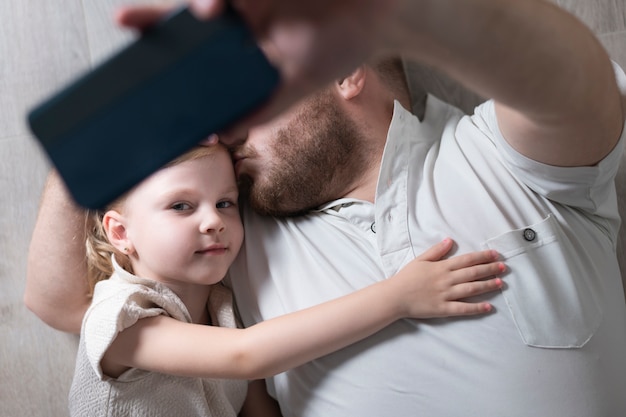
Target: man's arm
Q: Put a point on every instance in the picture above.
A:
(556, 96)
(56, 285)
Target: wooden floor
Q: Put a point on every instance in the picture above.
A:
(43, 44)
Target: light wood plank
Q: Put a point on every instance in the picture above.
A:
(602, 16)
(36, 361)
(42, 45)
(615, 43)
(104, 36)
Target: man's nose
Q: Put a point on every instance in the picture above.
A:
(232, 139)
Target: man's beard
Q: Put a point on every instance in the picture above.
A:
(315, 160)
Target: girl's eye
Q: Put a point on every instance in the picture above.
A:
(224, 204)
(180, 206)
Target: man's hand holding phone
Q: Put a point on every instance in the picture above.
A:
(312, 43)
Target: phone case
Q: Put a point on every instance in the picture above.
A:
(153, 100)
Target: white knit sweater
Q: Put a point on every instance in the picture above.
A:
(117, 304)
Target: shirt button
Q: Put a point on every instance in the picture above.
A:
(529, 235)
(373, 227)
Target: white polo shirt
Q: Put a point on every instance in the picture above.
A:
(555, 344)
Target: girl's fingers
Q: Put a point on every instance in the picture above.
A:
(459, 308)
(437, 251)
(472, 258)
(477, 272)
(470, 289)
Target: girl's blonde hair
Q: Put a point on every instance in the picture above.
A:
(98, 248)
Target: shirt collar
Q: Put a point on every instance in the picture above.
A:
(404, 126)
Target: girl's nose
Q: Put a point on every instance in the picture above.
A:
(212, 223)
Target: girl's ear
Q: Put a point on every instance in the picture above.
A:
(352, 85)
(114, 227)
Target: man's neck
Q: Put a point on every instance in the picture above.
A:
(365, 189)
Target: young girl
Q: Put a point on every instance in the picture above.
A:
(151, 344)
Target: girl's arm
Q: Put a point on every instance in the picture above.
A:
(426, 287)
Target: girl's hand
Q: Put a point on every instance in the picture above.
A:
(431, 287)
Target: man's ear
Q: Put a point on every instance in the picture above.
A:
(115, 229)
(353, 84)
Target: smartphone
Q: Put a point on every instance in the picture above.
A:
(156, 98)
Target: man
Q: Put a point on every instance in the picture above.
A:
(369, 185)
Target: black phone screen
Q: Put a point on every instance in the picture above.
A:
(179, 82)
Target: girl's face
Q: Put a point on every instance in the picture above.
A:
(182, 224)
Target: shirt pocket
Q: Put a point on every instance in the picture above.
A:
(549, 290)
